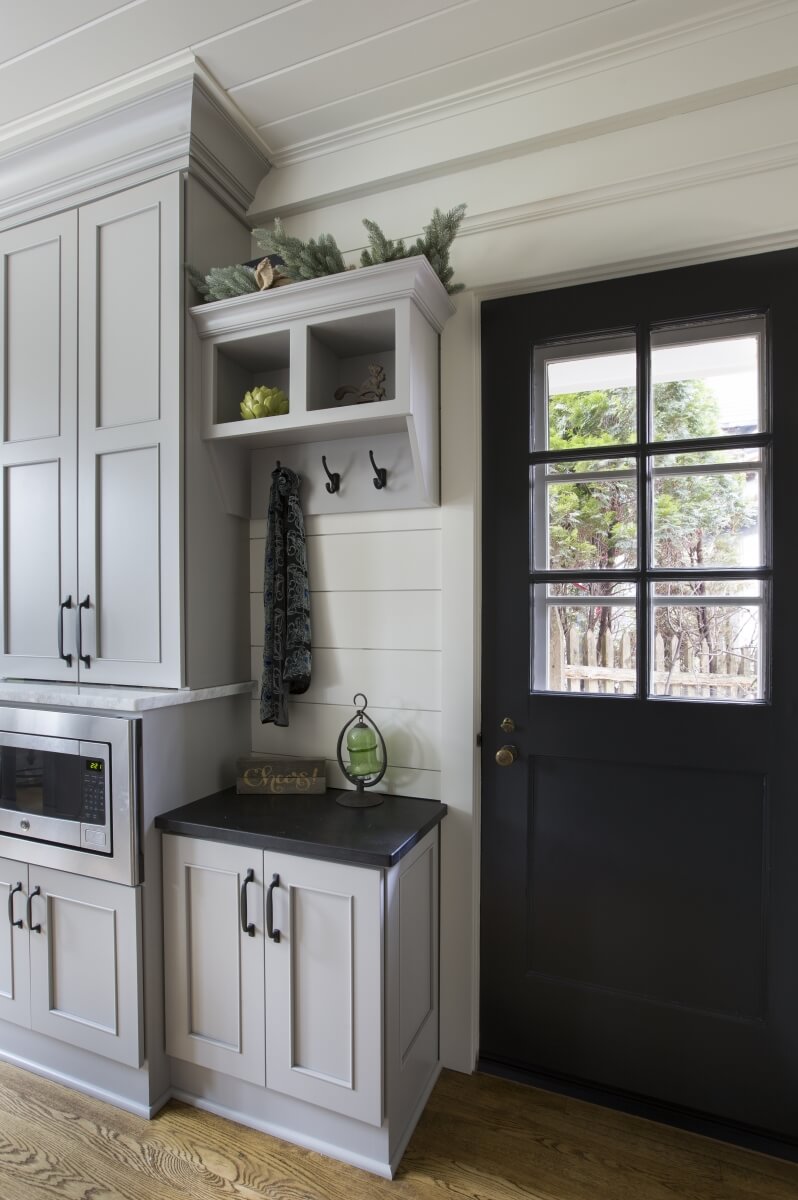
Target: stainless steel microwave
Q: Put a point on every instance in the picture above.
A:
(68, 784)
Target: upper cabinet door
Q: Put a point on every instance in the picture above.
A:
(38, 428)
(130, 345)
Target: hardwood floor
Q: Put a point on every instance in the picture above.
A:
(480, 1138)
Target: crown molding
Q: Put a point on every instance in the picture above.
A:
(182, 126)
(737, 17)
(738, 166)
(782, 239)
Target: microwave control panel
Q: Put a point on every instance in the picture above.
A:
(93, 809)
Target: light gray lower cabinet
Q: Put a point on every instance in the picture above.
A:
(317, 978)
(213, 956)
(70, 959)
(324, 985)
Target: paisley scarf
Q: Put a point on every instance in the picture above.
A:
(286, 601)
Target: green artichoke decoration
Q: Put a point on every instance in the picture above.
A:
(264, 402)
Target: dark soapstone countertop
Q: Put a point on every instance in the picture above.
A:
(314, 826)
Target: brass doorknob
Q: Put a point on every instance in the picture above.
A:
(506, 755)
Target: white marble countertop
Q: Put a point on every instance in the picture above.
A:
(111, 699)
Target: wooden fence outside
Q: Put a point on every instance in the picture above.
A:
(583, 663)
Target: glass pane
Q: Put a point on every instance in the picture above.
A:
(589, 466)
(711, 519)
(587, 646)
(682, 591)
(704, 651)
(705, 388)
(591, 401)
(584, 591)
(585, 525)
(704, 458)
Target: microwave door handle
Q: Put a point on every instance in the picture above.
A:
(64, 604)
(84, 658)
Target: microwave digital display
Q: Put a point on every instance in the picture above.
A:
(95, 764)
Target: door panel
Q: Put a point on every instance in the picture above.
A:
(639, 896)
(214, 981)
(128, 280)
(324, 986)
(14, 962)
(33, 552)
(128, 584)
(130, 345)
(621, 852)
(33, 342)
(38, 393)
(86, 964)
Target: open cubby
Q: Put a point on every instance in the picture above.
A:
(259, 360)
(340, 353)
(316, 337)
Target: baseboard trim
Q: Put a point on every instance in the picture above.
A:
(415, 1117)
(80, 1085)
(651, 1110)
(352, 1159)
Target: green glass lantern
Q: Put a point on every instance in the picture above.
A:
(367, 757)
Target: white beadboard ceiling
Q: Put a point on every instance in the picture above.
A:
(312, 76)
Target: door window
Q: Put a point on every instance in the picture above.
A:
(649, 499)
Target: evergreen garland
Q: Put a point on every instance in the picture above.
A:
(301, 260)
(309, 260)
(223, 282)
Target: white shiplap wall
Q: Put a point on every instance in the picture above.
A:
(375, 581)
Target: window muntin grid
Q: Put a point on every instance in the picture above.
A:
(725, 459)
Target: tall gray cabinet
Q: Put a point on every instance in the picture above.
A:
(106, 577)
(91, 441)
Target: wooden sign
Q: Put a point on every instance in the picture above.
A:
(256, 773)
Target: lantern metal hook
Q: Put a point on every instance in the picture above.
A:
(333, 476)
(380, 473)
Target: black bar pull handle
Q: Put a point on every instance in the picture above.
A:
(247, 928)
(37, 891)
(273, 933)
(84, 658)
(11, 894)
(64, 604)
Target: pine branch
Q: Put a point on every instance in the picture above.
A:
(380, 248)
(435, 244)
(223, 282)
(302, 260)
(197, 281)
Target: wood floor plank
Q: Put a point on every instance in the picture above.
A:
(480, 1138)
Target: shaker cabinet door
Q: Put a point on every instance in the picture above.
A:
(130, 340)
(324, 985)
(213, 951)
(38, 428)
(85, 963)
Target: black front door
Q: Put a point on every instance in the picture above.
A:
(639, 807)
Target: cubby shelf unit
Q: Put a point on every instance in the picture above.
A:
(312, 338)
